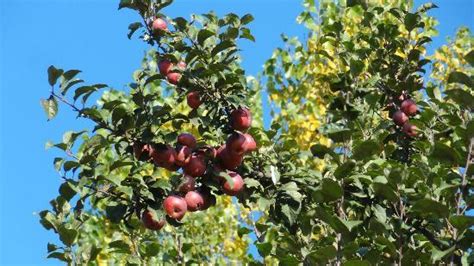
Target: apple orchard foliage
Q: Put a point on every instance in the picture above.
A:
(337, 180)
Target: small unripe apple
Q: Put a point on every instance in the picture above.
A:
(410, 130)
(251, 144)
(175, 207)
(409, 107)
(173, 77)
(236, 187)
(163, 154)
(196, 166)
(187, 139)
(158, 25)
(194, 201)
(183, 154)
(165, 66)
(229, 160)
(399, 118)
(237, 143)
(193, 99)
(241, 119)
(188, 184)
(150, 221)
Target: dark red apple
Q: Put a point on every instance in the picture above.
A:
(175, 207)
(194, 201)
(163, 155)
(158, 25)
(209, 199)
(188, 184)
(196, 166)
(193, 99)
(251, 144)
(237, 143)
(399, 118)
(165, 66)
(183, 154)
(229, 160)
(409, 107)
(151, 221)
(173, 77)
(187, 139)
(241, 119)
(410, 130)
(236, 187)
(141, 151)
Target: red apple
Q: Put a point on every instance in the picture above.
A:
(237, 143)
(158, 25)
(165, 66)
(183, 154)
(236, 187)
(229, 160)
(194, 201)
(207, 151)
(399, 118)
(193, 99)
(241, 119)
(175, 207)
(173, 77)
(410, 130)
(187, 139)
(182, 65)
(251, 144)
(141, 151)
(151, 221)
(196, 166)
(209, 200)
(409, 107)
(163, 155)
(188, 184)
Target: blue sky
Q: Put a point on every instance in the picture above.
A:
(91, 36)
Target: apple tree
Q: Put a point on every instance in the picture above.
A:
(368, 158)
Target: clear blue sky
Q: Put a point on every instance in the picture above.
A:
(91, 36)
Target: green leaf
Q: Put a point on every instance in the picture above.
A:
(50, 107)
(133, 27)
(323, 254)
(70, 165)
(356, 263)
(152, 249)
(243, 231)
(245, 34)
(115, 212)
(356, 67)
(411, 20)
(67, 190)
(120, 245)
(429, 207)
(425, 7)
(331, 190)
(67, 235)
(319, 150)
(437, 254)
(48, 220)
(59, 255)
(203, 35)
(470, 57)
(118, 164)
(264, 248)
(340, 135)
(366, 149)
(461, 97)
(246, 19)
(462, 222)
(459, 77)
(84, 90)
(344, 169)
(385, 191)
(350, 224)
(53, 75)
(222, 46)
(52, 247)
(275, 174)
(446, 154)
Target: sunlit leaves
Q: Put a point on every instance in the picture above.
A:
(50, 107)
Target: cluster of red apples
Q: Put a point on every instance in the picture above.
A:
(168, 68)
(401, 117)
